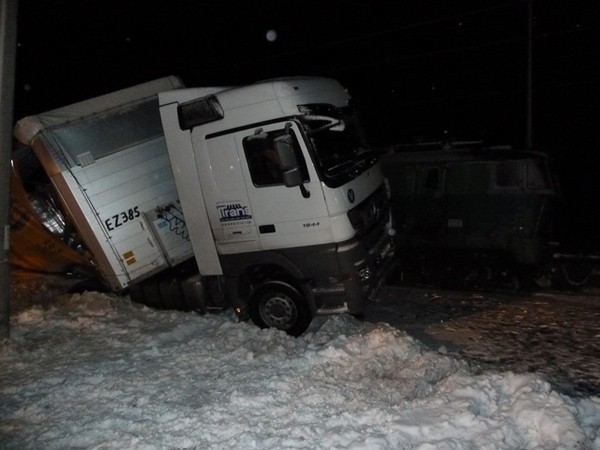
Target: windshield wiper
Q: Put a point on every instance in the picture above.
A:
(337, 167)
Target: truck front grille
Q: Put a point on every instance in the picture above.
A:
(370, 217)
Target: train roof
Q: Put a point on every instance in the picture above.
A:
(461, 155)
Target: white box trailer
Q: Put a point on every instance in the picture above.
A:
(108, 162)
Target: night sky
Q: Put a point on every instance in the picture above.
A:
(417, 68)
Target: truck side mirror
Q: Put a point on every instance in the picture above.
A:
(292, 176)
(258, 136)
(284, 146)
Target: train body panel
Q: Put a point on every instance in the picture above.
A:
(474, 208)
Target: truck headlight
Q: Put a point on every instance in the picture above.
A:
(365, 273)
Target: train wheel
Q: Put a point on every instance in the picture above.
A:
(509, 281)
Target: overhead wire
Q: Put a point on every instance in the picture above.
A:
(364, 37)
(398, 59)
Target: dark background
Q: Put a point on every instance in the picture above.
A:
(417, 68)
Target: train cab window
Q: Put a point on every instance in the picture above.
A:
(538, 176)
(432, 179)
(508, 174)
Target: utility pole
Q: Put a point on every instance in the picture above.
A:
(529, 74)
(8, 47)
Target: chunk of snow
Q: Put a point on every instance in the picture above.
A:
(95, 370)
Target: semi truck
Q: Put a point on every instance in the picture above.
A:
(265, 198)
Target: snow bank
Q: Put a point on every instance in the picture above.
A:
(96, 371)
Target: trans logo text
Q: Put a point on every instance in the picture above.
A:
(234, 213)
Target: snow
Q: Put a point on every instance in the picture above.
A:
(94, 370)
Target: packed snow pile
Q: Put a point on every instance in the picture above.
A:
(97, 371)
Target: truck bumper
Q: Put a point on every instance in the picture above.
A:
(363, 271)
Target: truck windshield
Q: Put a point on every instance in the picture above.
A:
(340, 146)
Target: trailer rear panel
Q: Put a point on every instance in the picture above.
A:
(110, 167)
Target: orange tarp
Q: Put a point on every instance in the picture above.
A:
(32, 246)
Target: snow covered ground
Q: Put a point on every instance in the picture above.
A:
(97, 371)
(552, 333)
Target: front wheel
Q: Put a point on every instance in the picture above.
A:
(276, 304)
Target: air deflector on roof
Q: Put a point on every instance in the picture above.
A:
(198, 112)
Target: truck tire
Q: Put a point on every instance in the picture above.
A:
(171, 294)
(147, 293)
(277, 304)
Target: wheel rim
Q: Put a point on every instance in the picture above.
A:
(278, 310)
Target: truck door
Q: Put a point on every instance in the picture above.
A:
(225, 194)
(284, 216)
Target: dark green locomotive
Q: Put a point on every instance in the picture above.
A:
(473, 218)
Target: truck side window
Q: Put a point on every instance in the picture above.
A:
(263, 160)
